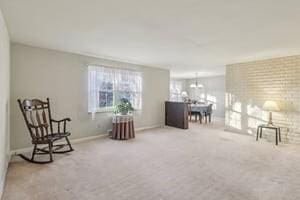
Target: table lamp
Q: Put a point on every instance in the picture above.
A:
(270, 106)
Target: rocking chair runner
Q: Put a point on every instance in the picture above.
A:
(34, 113)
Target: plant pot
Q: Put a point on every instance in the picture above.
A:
(124, 113)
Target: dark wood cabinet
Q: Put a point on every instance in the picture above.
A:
(176, 114)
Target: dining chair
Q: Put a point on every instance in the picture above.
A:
(191, 113)
(208, 113)
(200, 117)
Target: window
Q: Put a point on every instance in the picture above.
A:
(108, 85)
(212, 100)
(175, 90)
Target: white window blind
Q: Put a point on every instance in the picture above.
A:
(108, 85)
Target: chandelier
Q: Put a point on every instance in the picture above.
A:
(196, 85)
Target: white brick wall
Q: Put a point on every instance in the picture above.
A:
(249, 85)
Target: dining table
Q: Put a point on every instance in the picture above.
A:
(202, 108)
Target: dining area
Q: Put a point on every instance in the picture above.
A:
(200, 111)
(199, 100)
(180, 114)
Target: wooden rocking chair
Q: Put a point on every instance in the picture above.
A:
(37, 116)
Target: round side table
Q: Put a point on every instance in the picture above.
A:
(123, 128)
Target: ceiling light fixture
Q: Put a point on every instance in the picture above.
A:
(196, 85)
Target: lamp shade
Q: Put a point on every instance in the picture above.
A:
(270, 106)
(184, 94)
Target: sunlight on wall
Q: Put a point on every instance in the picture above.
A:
(231, 103)
(254, 114)
(233, 112)
(250, 115)
(228, 99)
(233, 119)
(253, 110)
(237, 106)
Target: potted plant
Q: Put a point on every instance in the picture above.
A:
(124, 107)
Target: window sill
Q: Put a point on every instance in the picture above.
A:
(111, 111)
(102, 111)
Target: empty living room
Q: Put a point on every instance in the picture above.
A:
(149, 100)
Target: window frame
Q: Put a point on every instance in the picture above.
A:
(114, 91)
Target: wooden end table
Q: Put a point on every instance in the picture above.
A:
(267, 126)
(123, 128)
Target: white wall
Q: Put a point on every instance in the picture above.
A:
(41, 73)
(4, 101)
(250, 84)
(213, 87)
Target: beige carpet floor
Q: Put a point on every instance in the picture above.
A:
(203, 162)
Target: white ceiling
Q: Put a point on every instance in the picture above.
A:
(185, 36)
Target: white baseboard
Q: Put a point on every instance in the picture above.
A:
(79, 140)
(84, 139)
(149, 127)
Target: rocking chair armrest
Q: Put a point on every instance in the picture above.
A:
(61, 125)
(65, 119)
